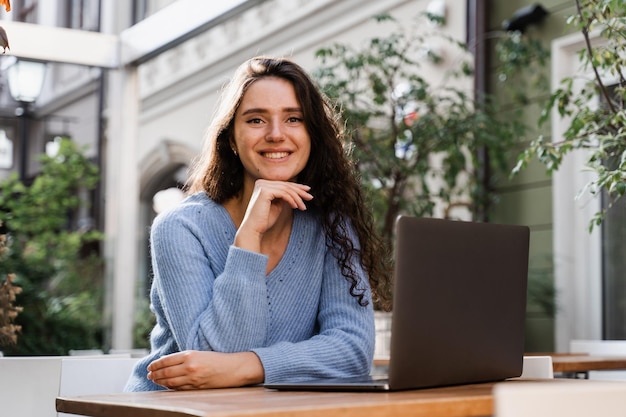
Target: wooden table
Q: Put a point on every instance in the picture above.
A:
(583, 364)
(459, 401)
(568, 364)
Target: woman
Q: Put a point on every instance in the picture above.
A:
(269, 269)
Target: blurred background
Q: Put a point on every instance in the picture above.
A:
(104, 103)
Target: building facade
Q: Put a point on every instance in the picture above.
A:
(179, 88)
(142, 102)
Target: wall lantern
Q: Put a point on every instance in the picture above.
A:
(524, 17)
(26, 80)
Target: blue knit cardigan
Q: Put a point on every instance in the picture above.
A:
(300, 319)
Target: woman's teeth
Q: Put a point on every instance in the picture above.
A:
(275, 155)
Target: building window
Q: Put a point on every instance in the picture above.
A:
(145, 8)
(6, 151)
(614, 259)
(25, 11)
(139, 10)
(614, 272)
(83, 15)
(578, 254)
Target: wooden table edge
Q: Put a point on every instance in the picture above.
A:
(473, 406)
(91, 408)
(479, 406)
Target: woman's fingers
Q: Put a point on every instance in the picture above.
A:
(174, 370)
(167, 361)
(269, 199)
(295, 195)
(292, 193)
(206, 369)
(170, 370)
(171, 383)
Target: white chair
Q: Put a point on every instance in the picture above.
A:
(85, 352)
(134, 353)
(598, 347)
(560, 399)
(601, 348)
(537, 367)
(29, 385)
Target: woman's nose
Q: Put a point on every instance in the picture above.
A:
(275, 132)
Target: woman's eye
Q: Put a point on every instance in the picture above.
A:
(294, 119)
(254, 121)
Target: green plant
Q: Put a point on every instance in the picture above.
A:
(542, 293)
(521, 59)
(61, 279)
(144, 323)
(8, 309)
(416, 142)
(598, 130)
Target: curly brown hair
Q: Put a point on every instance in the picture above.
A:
(339, 199)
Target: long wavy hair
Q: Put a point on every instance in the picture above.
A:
(330, 173)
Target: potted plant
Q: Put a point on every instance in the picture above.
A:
(8, 309)
(416, 141)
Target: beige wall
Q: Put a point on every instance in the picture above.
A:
(180, 108)
(178, 90)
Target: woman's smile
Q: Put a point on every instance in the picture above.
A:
(275, 155)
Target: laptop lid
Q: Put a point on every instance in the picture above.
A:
(459, 302)
(459, 307)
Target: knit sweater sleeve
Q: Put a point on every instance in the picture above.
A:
(205, 308)
(344, 343)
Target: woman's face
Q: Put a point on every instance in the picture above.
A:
(270, 134)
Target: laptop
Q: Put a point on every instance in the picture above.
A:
(459, 305)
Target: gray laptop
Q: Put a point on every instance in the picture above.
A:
(459, 307)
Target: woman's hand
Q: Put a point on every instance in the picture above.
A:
(269, 199)
(193, 369)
